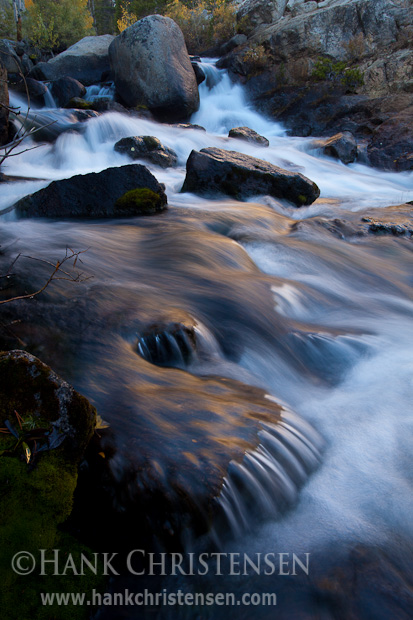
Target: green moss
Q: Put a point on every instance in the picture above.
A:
(34, 504)
(302, 199)
(151, 143)
(79, 104)
(141, 201)
(36, 500)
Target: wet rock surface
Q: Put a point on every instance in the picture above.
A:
(216, 171)
(249, 135)
(148, 148)
(93, 195)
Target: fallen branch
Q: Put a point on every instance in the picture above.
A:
(57, 273)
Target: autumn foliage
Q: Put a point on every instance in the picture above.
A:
(57, 23)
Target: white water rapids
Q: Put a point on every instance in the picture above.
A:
(349, 303)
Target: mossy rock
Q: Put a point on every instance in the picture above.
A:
(79, 104)
(141, 201)
(37, 498)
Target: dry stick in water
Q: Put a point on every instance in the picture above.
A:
(57, 274)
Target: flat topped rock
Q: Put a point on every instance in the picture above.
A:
(96, 195)
(249, 135)
(213, 171)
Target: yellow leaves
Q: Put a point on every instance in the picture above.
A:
(126, 20)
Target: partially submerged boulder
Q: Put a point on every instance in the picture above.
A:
(149, 148)
(249, 135)
(216, 171)
(93, 195)
(342, 146)
(66, 88)
(85, 61)
(151, 67)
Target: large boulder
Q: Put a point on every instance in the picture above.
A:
(151, 67)
(97, 195)
(85, 61)
(216, 171)
(149, 148)
(4, 101)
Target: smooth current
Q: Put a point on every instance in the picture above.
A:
(320, 324)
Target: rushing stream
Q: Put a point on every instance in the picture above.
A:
(247, 341)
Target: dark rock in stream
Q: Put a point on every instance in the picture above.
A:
(249, 135)
(36, 89)
(149, 148)
(66, 88)
(396, 221)
(96, 195)
(214, 171)
(342, 146)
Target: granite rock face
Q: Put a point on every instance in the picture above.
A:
(84, 61)
(152, 68)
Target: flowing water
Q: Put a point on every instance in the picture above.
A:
(253, 359)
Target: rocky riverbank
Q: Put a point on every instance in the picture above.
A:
(333, 66)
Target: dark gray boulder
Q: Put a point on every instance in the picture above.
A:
(342, 146)
(151, 67)
(149, 148)
(85, 61)
(36, 90)
(66, 88)
(96, 195)
(249, 135)
(199, 74)
(214, 171)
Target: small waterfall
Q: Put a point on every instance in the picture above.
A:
(49, 101)
(100, 91)
(267, 482)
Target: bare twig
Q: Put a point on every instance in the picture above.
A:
(9, 148)
(55, 274)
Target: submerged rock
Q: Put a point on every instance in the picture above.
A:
(94, 195)
(149, 148)
(151, 67)
(249, 135)
(216, 171)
